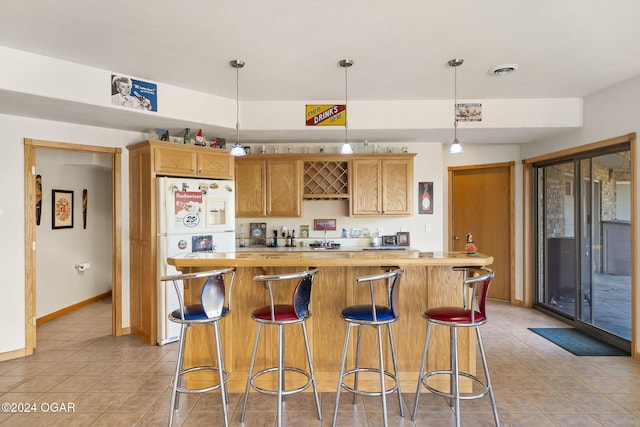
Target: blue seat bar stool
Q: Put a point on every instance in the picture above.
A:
(208, 311)
(471, 313)
(295, 312)
(375, 315)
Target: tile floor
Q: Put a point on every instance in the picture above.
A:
(119, 381)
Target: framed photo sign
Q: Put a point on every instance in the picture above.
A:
(324, 224)
(61, 209)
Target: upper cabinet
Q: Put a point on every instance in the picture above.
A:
(381, 186)
(269, 187)
(191, 161)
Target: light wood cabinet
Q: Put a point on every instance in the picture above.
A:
(147, 160)
(381, 186)
(190, 161)
(269, 187)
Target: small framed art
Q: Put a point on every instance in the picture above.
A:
(389, 240)
(403, 238)
(324, 224)
(61, 209)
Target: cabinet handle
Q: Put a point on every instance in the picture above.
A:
(193, 171)
(200, 171)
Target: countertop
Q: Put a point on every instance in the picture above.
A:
(291, 257)
(342, 248)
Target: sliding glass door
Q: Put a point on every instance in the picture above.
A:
(584, 241)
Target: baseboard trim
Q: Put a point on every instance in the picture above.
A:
(14, 354)
(71, 308)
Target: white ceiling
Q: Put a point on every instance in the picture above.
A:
(564, 48)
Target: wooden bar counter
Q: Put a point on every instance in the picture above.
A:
(428, 280)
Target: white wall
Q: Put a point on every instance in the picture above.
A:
(58, 283)
(14, 130)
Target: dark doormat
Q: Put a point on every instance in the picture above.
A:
(579, 343)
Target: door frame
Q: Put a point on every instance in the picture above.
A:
(30, 147)
(511, 227)
(529, 236)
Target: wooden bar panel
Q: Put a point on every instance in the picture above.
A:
(423, 285)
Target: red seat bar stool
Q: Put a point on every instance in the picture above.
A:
(374, 315)
(471, 314)
(281, 315)
(209, 311)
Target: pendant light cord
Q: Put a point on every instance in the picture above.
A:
(237, 105)
(455, 103)
(346, 101)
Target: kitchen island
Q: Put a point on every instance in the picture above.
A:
(428, 281)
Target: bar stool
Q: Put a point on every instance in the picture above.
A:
(209, 311)
(281, 315)
(476, 282)
(372, 315)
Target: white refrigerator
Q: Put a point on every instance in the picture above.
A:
(195, 216)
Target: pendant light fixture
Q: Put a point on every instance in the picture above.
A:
(238, 149)
(346, 146)
(456, 147)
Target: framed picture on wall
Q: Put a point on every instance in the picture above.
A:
(425, 197)
(61, 209)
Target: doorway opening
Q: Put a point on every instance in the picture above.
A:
(30, 147)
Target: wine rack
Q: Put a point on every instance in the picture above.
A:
(326, 180)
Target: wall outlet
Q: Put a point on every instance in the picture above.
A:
(427, 228)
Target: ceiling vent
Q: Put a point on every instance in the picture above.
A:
(503, 69)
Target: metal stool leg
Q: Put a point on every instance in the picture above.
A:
(455, 374)
(486, 373)
(253, 361)
(223, 388)
(355, 380)
(176, 382)
(280, 371)
(311, 371)
(344, 359)
(382, 385)
(394, 359)
(422, 368)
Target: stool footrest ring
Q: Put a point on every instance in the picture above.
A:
(368, 393)
(466, 396)
(285, 392)
(225, 377)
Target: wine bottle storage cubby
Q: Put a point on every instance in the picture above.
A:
(326, 180)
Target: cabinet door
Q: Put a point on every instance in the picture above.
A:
(251, 197)
(366, 187)
(284, 196)
(215, 165)
(174, 161)
(397, 192)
